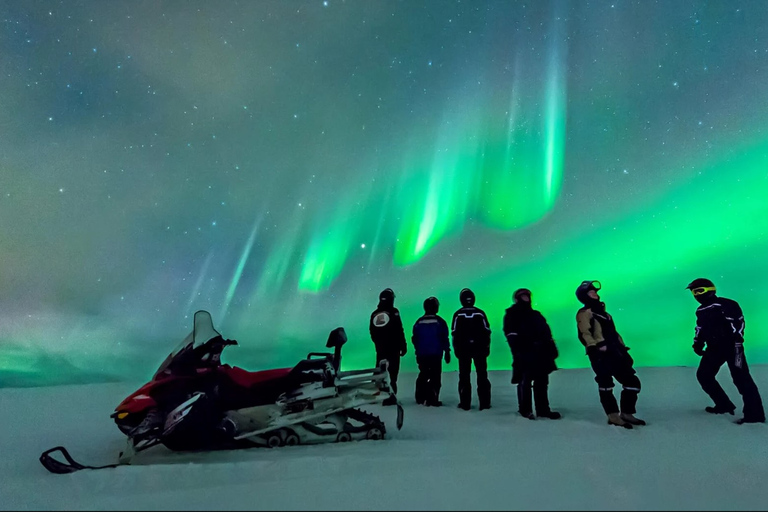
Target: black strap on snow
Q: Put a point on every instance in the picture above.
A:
(62, 468)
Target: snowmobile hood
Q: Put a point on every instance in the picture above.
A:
(139, 400)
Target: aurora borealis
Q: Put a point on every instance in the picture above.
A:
(278, 163)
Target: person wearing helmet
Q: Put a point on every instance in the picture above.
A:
(388, 336)
(533, 355)
(608, 356)
(720, 328)
(431, 345)
(472, 343)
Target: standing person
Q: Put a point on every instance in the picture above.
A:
(608, 356)
(431, 345)
(472, 343)
(533, 355)
(720, 327)
(388, 336)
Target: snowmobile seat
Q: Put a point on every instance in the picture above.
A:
(312, 370)
(246, 379)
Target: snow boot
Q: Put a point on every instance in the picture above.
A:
(719, 410)
(630, 418)
(744, 420)
(615, 419)
(552, 415)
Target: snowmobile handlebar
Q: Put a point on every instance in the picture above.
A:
(322, 355)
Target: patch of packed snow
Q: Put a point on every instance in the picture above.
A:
(443, 458)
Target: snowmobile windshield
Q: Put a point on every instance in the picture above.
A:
(184, 353)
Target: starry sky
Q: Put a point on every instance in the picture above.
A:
(279, 163)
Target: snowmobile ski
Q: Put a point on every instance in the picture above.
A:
(70, 466)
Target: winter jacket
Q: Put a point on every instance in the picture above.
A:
(597, 329)
(471, 333)
(430, 336)
(386, 328)
(719, 324)
(530, 340)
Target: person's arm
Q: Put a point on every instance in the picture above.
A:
(706, 316)
(486, 326)
(486, 332)
(400, 333)
(549, 339)
(370, 327)
(735, 317)
(511, 333)
(444, 341)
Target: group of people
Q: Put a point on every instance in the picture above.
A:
(718, 339)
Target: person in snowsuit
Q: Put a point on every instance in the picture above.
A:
(720, 328)
(608, 355)
(472, 343)
(388, 336)
(431, 345)
(533, 355)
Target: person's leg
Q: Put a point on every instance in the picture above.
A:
(465, 384)
(422, 380)
(709, 365)
(524, 405)
(753, 403)
(483, 384)
(541, 396)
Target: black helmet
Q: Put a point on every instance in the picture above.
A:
(701, 286)
(520, 292)
(467, 297)
(584, 288)
(387, 295)
(431, 305)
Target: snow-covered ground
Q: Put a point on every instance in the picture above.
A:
(443, 458)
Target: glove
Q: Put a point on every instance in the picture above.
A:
(595, 350)
(447, 358)
(698, 348)
(403, 351)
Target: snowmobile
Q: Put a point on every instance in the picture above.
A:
(194, 402)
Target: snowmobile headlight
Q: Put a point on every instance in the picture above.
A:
(122, 415)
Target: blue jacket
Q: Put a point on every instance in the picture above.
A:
(430, 336)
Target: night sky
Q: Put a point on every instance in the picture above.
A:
(279, 163)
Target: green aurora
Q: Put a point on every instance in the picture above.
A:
(280, 165)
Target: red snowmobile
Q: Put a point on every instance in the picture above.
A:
(194, 402)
